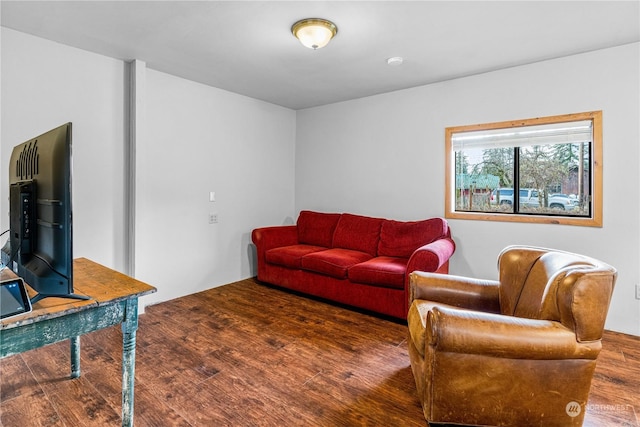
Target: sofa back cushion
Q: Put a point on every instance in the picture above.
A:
(400, 239)
(359, 233)
(317, 228)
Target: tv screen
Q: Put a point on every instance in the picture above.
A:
(39, 247)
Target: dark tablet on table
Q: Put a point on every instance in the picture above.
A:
(14, 299)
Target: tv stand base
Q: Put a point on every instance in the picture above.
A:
(38, 297)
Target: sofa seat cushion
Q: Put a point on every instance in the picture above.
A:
(380, 271)
(333, 262)
(290, 256)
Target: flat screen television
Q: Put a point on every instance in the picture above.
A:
(40, 244)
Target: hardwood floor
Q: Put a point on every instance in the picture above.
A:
(245, 354)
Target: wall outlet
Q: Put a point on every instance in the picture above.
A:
(213, 218)
(638, 291)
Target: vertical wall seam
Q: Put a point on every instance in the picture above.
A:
(137, 90)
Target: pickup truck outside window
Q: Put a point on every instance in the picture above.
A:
(553, 163)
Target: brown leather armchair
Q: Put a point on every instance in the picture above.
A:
(519, 351)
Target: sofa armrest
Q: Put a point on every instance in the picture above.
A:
(266, 238)
(432, 256)
(458, 291)
(456, 330)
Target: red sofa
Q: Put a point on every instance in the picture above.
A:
(352, 259)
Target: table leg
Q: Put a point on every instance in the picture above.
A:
(75, 356)
(129, 327)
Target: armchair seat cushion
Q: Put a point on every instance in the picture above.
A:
(380, 271)
(333, 262)
(290, 256)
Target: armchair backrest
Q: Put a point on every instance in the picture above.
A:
(546, 284)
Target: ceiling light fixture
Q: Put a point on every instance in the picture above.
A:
(314, 33)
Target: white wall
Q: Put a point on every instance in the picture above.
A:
(201, 139)
(197, 139)
(384, 155)
(46, 84)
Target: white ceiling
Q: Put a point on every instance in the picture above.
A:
(247, 47)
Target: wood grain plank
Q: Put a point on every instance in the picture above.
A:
(35, 409)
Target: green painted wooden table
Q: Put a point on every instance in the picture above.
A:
(113, 299)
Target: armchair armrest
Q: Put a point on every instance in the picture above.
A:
(458, 291)
(456, 330)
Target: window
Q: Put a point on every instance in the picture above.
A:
(553, 164)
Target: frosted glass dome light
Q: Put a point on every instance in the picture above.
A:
(314, 33)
